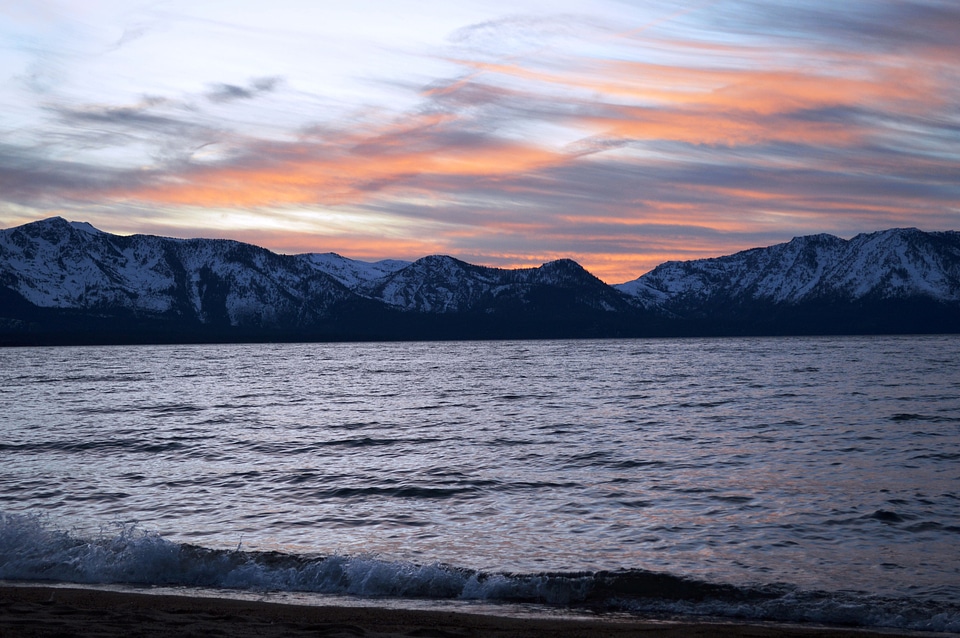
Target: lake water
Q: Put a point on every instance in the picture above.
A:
(795, 479)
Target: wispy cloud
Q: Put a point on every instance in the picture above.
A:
(230, 92)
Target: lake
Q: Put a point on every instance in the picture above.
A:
(792, 479)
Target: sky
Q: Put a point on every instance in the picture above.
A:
(618, 133)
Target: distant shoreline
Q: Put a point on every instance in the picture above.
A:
(57, 611)
(96, 340)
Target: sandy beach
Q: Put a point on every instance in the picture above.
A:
(41, 611)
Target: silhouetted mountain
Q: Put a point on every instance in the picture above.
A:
(67, 282)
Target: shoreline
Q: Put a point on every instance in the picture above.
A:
(38, 611)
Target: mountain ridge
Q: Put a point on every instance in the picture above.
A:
(886, 264)
(66, 281)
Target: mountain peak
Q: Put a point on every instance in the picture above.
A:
(562, 264)
(440, 261)
(564, 272)
(55, 222)
(58, 224)
(818, 239)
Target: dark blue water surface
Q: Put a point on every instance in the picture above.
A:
(782, 478)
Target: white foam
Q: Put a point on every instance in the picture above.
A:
(33, 549)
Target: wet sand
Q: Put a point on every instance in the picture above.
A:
(62, 612)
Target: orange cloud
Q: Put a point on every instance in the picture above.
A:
(769, 91)
(732, 106)
(341, 169)
(836, 80)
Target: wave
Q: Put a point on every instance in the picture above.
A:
(31, 549)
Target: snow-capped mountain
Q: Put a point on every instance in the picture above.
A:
(68, 265)
(887, 265)
(56, 275)
(441, 284)
(66, 282)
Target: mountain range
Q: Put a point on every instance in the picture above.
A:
(67, 282)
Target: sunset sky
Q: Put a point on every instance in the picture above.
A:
(617, 133)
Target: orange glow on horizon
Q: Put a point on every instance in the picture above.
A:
(612, 268)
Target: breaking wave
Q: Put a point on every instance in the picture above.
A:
(33, 550)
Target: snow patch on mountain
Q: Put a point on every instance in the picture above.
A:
(351, 272)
